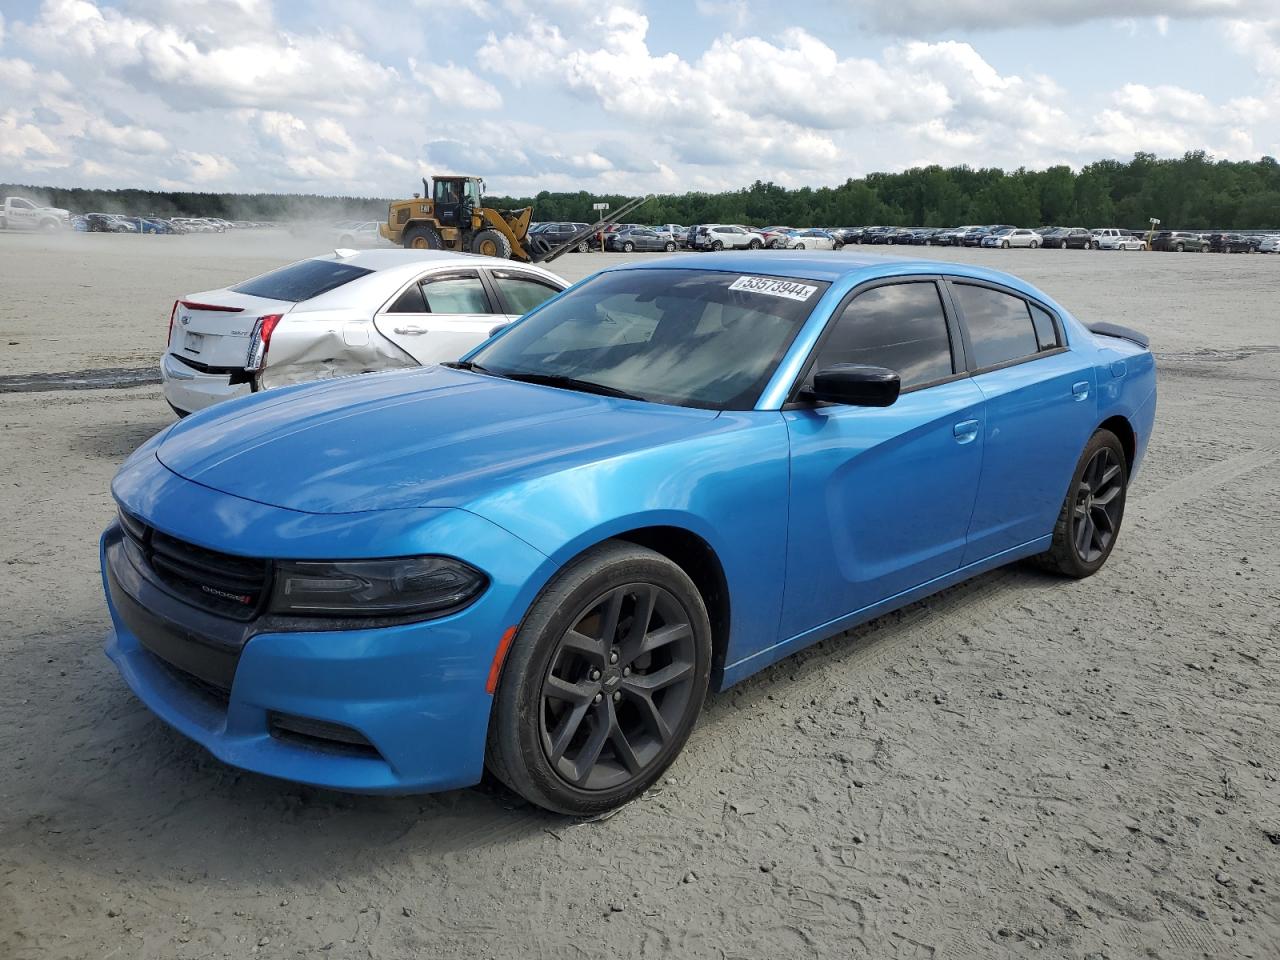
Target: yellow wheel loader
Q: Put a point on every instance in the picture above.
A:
(451, 215)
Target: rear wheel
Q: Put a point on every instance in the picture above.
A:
(491, 243)
(1089, 521)
(716, 246)
(799, 246)
(422, 237)
(628, 247)
(603, 683)
(1005, 244)
(1034, 244)
(754, 245)
(1178, 248)
(669, 246)
(582, 247)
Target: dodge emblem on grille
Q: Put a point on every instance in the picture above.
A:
(225, 595)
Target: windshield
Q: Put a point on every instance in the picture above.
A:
(685, 337)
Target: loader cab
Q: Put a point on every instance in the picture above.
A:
(456, 199)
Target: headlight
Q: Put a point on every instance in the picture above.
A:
(374, 588)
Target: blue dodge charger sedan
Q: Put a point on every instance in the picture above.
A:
(666, 478)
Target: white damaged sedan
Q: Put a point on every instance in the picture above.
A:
(346, 313)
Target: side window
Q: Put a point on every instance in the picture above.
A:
(409, 302)
(522, 294)
(901, 326)
(1046, 329)
(455, 295)
(1000, 326)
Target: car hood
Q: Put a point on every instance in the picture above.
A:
(433, 437)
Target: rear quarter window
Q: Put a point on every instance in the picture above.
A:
(301, 281)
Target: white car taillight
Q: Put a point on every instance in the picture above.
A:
(260, 341)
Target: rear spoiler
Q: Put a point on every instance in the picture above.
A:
(1121, 333)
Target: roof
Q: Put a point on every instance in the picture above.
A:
(396, 258)
(829, 266)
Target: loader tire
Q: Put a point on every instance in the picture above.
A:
(491, 243)
(423, 237)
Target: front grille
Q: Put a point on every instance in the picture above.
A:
(221, 583)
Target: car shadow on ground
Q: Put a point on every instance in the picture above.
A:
(115, 441)
(154, 804)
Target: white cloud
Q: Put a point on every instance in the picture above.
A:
(931, 17)
(458, 85)
(25, 144)
(125, 138)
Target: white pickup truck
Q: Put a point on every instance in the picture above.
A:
(19, 213)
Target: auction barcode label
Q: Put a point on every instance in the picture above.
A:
(774, 288)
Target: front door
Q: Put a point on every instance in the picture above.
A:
(439, 317)
(881, 497)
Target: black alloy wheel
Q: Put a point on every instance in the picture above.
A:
(603, 683)
(1089, 521)
(617, 687)
(1095, 518)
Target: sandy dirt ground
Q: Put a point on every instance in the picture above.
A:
(1018, 767)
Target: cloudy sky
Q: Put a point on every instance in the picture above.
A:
(363, 96)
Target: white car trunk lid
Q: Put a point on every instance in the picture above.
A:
(213, 329)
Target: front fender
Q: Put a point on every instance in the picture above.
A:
(729, 487)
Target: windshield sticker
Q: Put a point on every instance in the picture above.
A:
(770, 287)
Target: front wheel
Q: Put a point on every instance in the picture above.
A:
(799, 246)
(716, 246)
(628, 247)
(669, 246)
(1178, 248)
(1095, 245)
(422, 238)
(837, 245)
(1005, 244)
(754, 245)
(1089, 521)
(1034, 244)
(603, 683)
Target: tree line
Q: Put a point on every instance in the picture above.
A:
(1193, 192)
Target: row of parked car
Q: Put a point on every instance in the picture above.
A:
(119, 223)
(668, 237)
(1063, 238)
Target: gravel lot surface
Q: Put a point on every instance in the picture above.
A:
(1019, 767)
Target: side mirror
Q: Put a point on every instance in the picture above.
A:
(855, 385)
(494, 331)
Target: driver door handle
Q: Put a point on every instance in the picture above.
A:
(965, 431)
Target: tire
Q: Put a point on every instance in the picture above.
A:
(557, 646)
(1095, 245)
(716, 246)
(1005, 244)
(422, 237)
(1035, 244)
(669, 246)
(1089, 484)
(798, 246)
(582, 247)
(837, 245)
(628, 247)
(1178, 248)
(491, 243)
(754, 245)
(1064, 245)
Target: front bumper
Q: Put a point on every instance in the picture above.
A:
(411, 696)
(189, 390)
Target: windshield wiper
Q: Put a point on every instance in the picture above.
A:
(570, 383)
(465, 365)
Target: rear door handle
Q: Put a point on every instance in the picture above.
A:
(410, 331)
(1080, 390)
(965, 430)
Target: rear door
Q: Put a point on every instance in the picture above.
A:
(439, 316)
(1041, 409)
